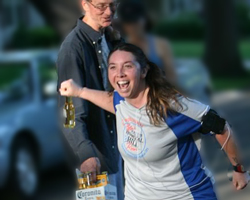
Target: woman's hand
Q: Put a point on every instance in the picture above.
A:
(100, 98)
(240, 180)
(70, 88)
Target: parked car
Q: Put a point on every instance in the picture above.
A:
(30, 137)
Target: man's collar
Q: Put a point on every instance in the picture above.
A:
(94, 35)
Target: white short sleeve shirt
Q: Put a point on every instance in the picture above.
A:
(162, 162)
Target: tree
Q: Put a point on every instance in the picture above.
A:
(221, 42)
(60, 14)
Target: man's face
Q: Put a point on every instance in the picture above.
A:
(101, 12)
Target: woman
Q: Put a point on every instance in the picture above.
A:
(157, 130)
(134, 24)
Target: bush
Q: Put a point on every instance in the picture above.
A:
(189, 26)
(243, 19)
(185, 27)
(24, 38)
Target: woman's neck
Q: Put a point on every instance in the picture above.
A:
(140, 100)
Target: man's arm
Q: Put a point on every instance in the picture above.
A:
(226, 140)
(70, 65)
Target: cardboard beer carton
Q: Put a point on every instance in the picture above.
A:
(101, 190)
(107, 192)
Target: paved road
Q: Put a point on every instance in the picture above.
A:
(235, 106)
(56, 184)
(59, 183)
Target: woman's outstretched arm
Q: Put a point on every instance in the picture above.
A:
(240, 180)
(102, 99)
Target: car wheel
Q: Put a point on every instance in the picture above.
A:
(24, 173)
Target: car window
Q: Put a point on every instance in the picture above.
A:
(48, 78)
(15, 82)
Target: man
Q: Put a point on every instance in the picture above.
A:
(83, 58)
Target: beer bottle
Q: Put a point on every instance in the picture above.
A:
(82, 181)
(89, 181)
(107, 176)
(69, 111)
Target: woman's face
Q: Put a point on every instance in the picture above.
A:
(125, 74)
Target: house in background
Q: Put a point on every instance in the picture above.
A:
(172, 8)
(14, 13)
(176, 7)
(162, 9)
(245, 1)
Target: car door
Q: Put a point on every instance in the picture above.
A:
(51, 137)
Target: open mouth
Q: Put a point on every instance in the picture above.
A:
(123, 85)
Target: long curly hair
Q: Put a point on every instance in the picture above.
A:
(162, 96)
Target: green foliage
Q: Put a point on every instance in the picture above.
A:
(187, 26)
(195, 49)
(223, 83)
(24, 38)
(188, 49)
(10, 72)
(244, 47)
(243, 19)
(190, 26)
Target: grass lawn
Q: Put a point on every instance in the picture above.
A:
(245, 49)
(187, 49)
(220, 83)
(194, 49)
(10, 72)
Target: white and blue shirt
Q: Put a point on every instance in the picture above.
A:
(162, 162)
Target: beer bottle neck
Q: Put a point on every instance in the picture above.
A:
(69, 99)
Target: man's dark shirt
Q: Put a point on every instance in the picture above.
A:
(80, 59)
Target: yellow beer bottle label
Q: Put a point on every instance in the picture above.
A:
(69, 113)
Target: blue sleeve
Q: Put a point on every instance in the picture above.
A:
(188, 119)
(116, 100)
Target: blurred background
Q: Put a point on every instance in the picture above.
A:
(207, 41)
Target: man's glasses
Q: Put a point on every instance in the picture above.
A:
(103, 7)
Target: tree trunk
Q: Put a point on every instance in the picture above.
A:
(60, 14)
(221, 43)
